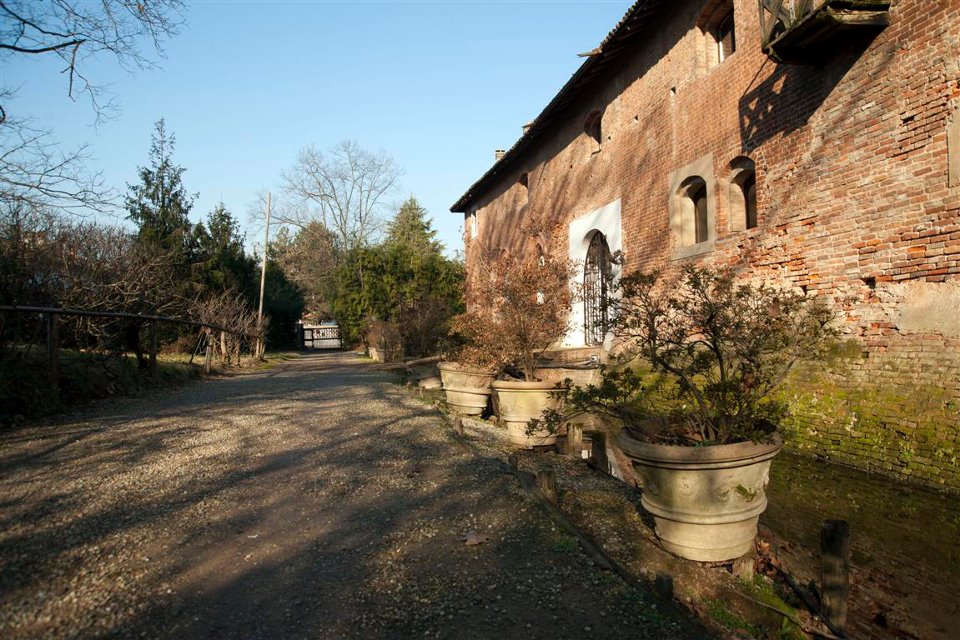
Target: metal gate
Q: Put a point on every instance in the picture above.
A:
(596, 280)
(324, 336)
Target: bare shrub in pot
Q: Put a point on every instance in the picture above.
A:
(701, 433)
(527, 302)
(727, 346)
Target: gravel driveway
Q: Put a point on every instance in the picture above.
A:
(313, 500)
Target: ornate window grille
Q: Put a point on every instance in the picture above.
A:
(596, 281)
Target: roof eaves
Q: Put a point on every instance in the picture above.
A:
(632, 20)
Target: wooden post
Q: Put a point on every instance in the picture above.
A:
(263, 277)
(153, 347)
(598, 454)
(574, 440)
(547, 482)
(208, 357)
(743, 567)
(224, 356)
(514, 461)
(834, 570)
(53, 355)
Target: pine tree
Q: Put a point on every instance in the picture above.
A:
(159, 204)
(411, 229)
(223, 263)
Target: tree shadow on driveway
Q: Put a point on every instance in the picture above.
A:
(316, 500)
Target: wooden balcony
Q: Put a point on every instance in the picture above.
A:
(810, 31)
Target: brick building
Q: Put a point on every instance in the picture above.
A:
(818, 147)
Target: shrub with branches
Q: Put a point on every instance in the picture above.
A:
(519, 307)
(720, 349)
(726, 345)
(228, 309)
(385, 336)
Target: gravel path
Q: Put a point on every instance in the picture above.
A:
(314, 500)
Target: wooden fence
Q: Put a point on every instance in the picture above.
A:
(52, 319)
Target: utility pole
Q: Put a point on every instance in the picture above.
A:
(263, 280)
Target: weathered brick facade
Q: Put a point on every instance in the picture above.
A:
(857, 199)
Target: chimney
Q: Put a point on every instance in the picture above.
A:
(499, 153)
(527, 127)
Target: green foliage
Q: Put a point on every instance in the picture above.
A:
(159, 204)
(622, 395)
(222, 264)
(405, 280)
(283, 303)
(565, 544)
(718, 610)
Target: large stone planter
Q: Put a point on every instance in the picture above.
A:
(578, 376)
(517, 403)
(467, 389)
(705, 501)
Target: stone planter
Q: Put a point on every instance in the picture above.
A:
(705, 501)
(467, 389)
(517, 403)
(578, 376)
(425, 376)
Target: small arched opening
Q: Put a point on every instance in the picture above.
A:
(743, 194)
(592, 126)
(597, 276)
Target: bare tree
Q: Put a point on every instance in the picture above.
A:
(308, 258)
(228, 309)
(343, 189)
(75, 30)
(33, 170)
(36, 173)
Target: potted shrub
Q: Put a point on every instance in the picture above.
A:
(527, 308)
(701, 432)
(471, 367)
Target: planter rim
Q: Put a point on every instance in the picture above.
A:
(522, 385)
(464, 368)
(685, 457)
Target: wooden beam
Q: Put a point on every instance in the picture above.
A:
(153, 347)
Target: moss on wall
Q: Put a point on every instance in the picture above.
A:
(909, 429)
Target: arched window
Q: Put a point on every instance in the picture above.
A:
(743, 194)
(592, 127)
(596, 284)
(725, 36)
(749, 187)
(698, 194)
(719, 37)
(695, 220)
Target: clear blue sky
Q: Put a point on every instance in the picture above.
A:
(438, 85)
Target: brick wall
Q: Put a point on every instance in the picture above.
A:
(854, 202)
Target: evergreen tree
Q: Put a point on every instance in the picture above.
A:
(223, 263)
(411, 230)
(407, 280)
(159, 204)
(283, 304)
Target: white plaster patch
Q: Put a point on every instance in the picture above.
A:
(606, 220)
(930, 307)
